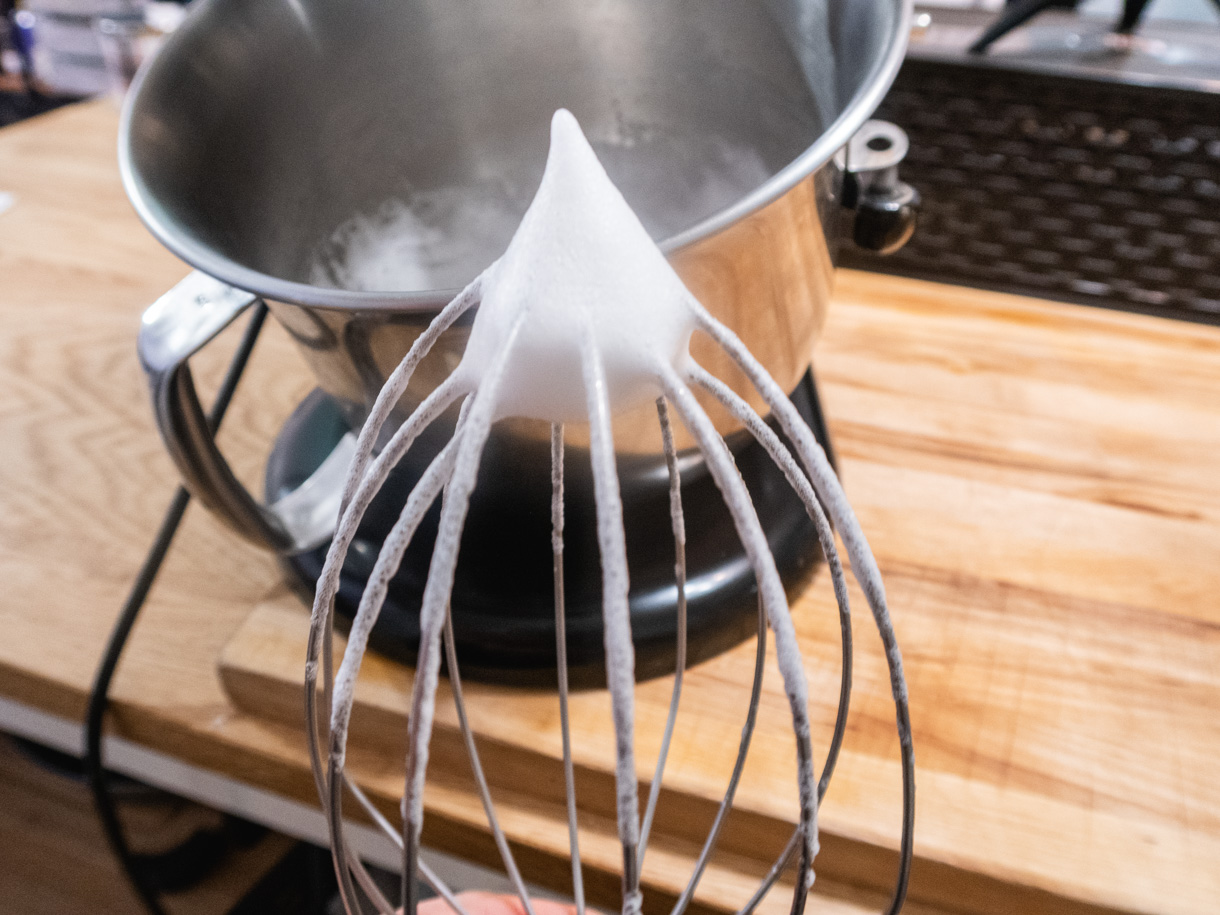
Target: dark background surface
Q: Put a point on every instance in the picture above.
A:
(1078, 190)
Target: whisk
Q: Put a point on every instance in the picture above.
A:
(583, 316)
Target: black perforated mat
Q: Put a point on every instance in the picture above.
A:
(1070, 189)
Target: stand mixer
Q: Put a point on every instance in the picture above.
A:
(255, 135)
(357, 103)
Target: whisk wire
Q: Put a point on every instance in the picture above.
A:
(354, 864)
(863, 564)
(394, 835)
(787, 652)
(780, 865)
(421, 498)
(800, 484)
(620, 651)
(678, 522)
(437, 593)
(476, 767)
(756, 688)
(321, 624)
(743, 748)
(561, 664)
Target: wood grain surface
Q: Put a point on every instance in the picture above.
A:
(1039, 482)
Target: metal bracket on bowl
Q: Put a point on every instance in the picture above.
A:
(885, 207)
(173, 329)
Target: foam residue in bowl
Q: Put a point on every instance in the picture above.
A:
(427, 239)
(441, 237)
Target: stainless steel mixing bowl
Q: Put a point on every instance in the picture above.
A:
(264, 126)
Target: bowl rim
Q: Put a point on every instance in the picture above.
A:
(202, 257)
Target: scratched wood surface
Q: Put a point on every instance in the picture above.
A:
(1039, 482)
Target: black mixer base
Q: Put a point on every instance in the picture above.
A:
(503, 605)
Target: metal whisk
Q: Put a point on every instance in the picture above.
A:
(605, 335)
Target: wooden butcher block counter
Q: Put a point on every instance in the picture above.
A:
(1040, 482)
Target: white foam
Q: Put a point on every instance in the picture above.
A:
(440, 237)
(429, 239)
(587, 271)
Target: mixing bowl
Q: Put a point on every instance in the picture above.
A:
(355, 162)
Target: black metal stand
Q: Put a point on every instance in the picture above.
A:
(135, 866)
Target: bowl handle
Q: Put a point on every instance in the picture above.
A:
(173, 329)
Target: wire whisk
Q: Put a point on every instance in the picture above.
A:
(580, 317)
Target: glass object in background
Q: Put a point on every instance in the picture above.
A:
(87, 47)
(126, 41)
(67, 57)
